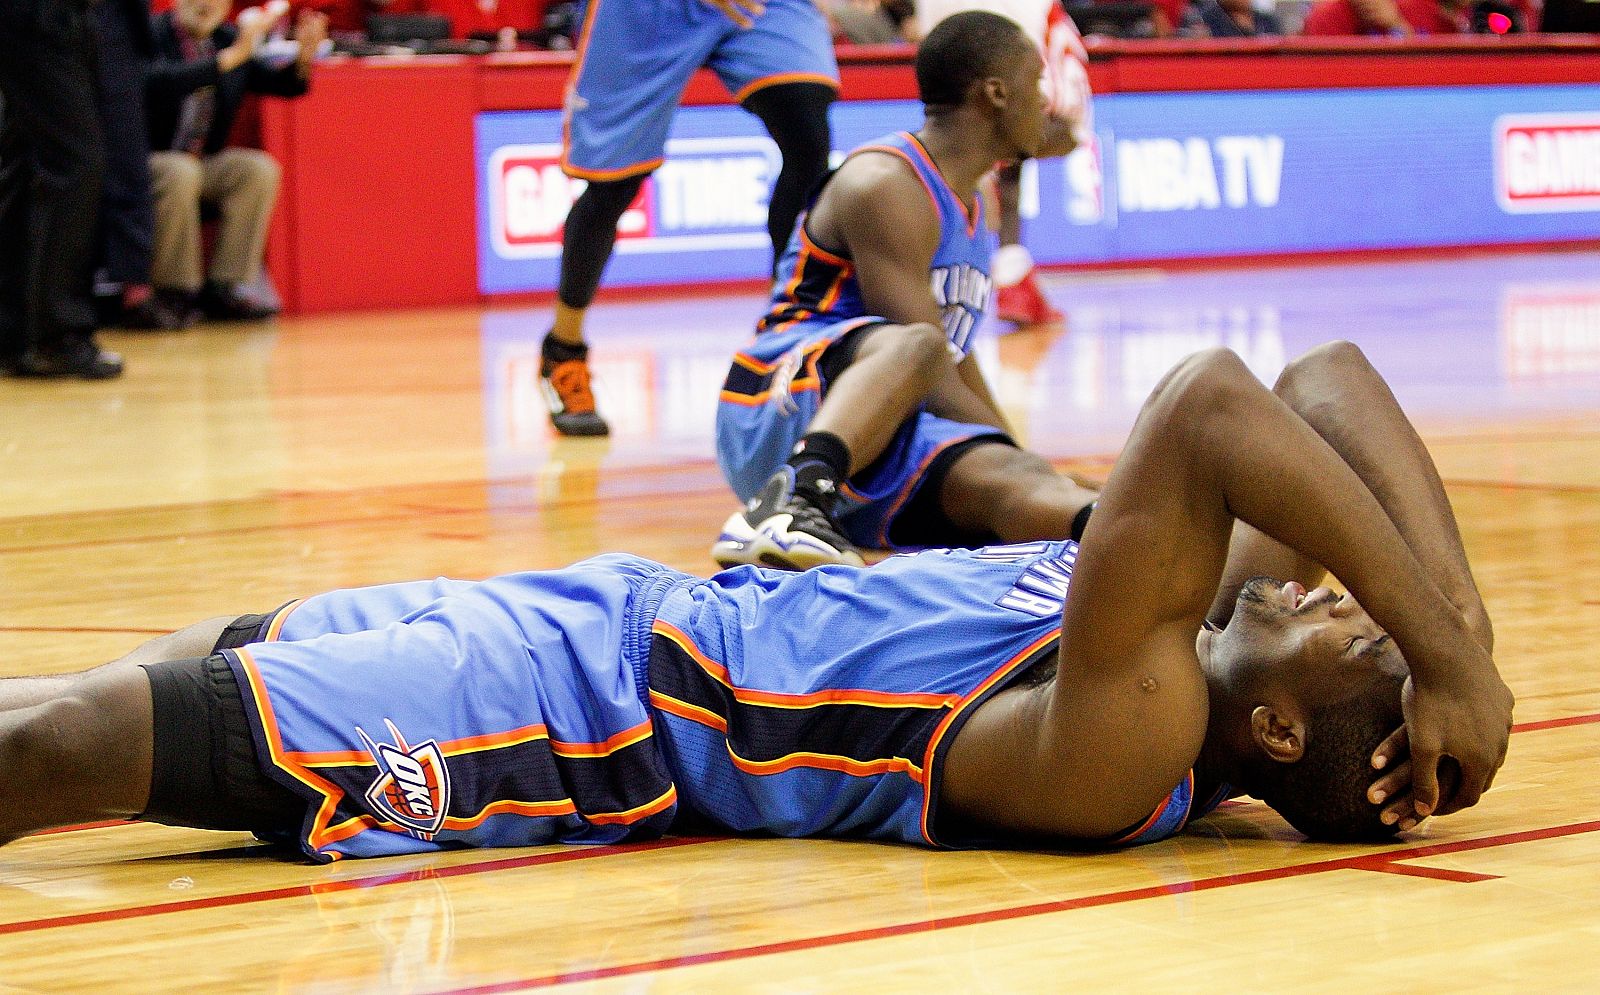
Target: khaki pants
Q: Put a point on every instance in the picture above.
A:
(242, 183)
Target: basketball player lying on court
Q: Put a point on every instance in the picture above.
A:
(948, 698)
(858, 416)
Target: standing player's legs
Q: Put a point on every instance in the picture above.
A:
(796, 116)
(1018, 298)
(633, 62)
(782, 70)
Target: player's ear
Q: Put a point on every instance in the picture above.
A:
(996, 92)
(1279, 732)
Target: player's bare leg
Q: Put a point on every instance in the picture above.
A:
(894, 370)
(194, 640)
(790, 523)
(81, 755)
(1013, 494)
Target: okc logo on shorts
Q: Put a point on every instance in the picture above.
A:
(412, 788)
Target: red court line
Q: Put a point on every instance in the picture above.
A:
(1435, 873)
(349, 884)
(653, 497)
(1515, 485)
(85, 628)
(80, 827)
(1570, 720)
(1026, 911)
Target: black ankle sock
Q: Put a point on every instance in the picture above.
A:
(820, 460)
(1080, 521)
(558, 351)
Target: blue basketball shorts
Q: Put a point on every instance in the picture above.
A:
(636, 56)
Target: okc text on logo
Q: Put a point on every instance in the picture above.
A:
(412, 789)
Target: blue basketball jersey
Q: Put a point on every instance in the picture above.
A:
(617, 699)
(823, 703)
(774, 386)
(815, 286)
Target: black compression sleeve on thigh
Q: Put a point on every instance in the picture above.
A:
(1080, 521)
(204, 770)
(590, 235)
(796, 116)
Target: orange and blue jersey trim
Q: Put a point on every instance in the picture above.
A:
(777, 79)
(939, 743)
(751, 380)
(972, 213)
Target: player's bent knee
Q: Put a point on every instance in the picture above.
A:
(921, 344)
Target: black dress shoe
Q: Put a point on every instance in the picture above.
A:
(79, 357)
(152, 314)
(221, 302)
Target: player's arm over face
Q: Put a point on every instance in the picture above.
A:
(1098, 748)
(877, 211)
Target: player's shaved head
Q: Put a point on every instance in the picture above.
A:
(963, 49)
(1324, 793)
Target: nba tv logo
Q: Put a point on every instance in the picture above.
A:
(412, 788)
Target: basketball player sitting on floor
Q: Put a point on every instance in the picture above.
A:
(947, 698)
(861, 374)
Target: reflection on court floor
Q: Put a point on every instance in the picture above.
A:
(1459, 340)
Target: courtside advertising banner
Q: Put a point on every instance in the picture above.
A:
(1168, 176)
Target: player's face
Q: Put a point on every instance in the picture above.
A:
(1319, 640)
(1025, 110)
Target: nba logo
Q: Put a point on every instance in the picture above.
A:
(412, 789)
(1085, 191)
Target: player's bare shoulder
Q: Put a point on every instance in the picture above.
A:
(874, 194)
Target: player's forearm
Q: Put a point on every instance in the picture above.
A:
(1253, 554)
(1280, 476)
(1346, 402)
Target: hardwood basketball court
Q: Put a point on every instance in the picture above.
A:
(232, 469)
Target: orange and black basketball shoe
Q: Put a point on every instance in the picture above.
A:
(564, 376)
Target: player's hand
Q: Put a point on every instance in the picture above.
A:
(740, 12)
(1468, 719)
(1392, 789)
(311, 30)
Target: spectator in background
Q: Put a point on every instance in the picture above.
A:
(1395, 18)
(349, 17)
(871, 22)
(125, 46)
(202, 70)
(487, 18)
(1228, 19)
(51, 162)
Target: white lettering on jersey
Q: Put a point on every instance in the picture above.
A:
(962, 291)
(1041, 591)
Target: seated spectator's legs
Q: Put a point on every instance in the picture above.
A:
(175, 179)
(243, 183)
